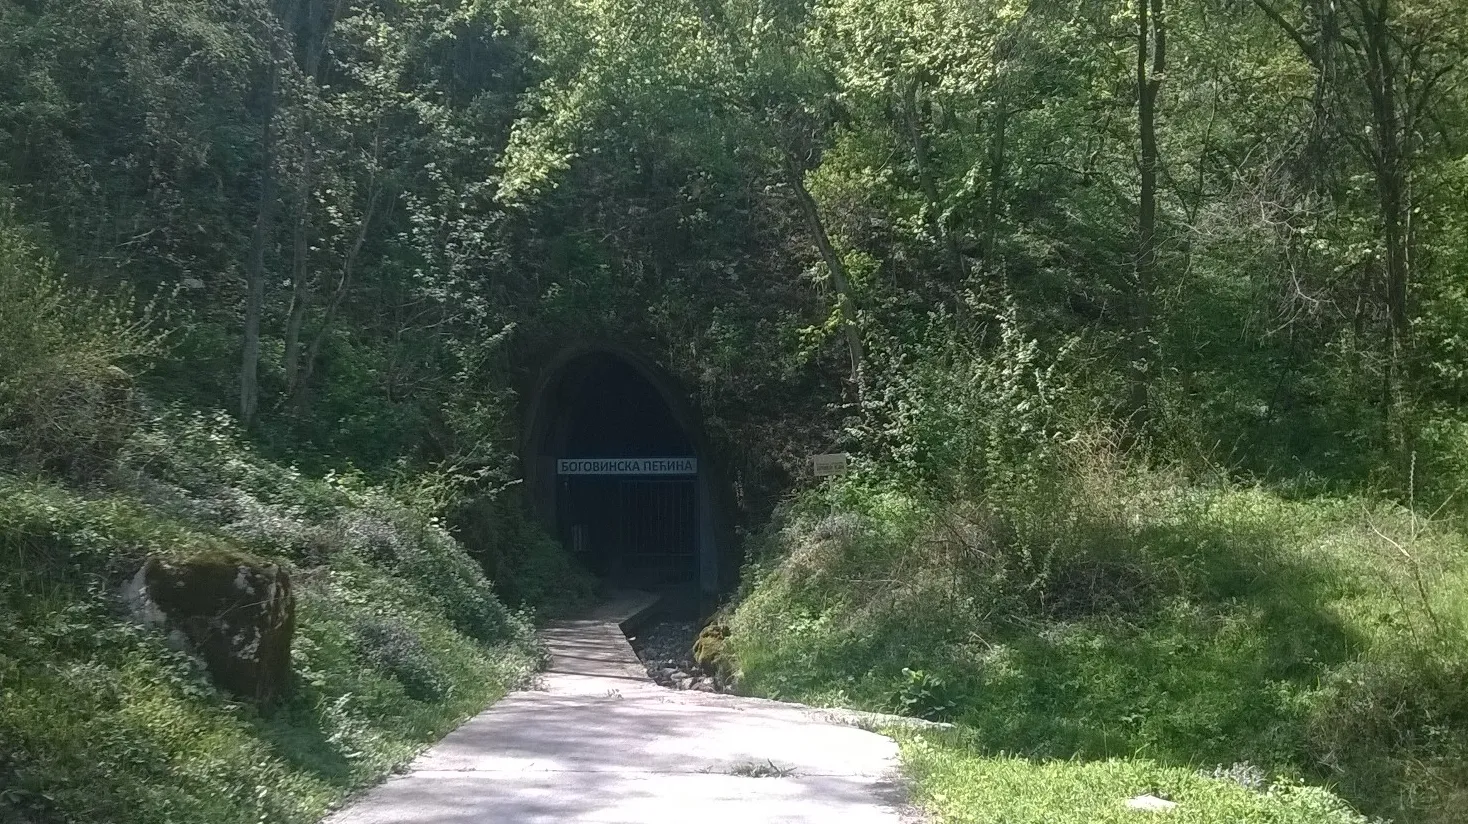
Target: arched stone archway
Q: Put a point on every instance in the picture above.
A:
(590, 411)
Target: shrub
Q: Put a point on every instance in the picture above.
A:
(530, 569)
(952, 420)
(924, 695)
(422, 551)
(66, 397)
(1410, 704)
(393, 647)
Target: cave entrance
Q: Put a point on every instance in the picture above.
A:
(616, 473)
(627, 522)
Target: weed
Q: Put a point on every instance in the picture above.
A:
(66, 395)
(754, 769)
(962, 782)
(924, 695)
(392, 646)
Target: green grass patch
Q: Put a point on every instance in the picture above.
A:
(1131, 617)
(960, 783)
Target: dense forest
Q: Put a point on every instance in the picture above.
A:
(1146, 326)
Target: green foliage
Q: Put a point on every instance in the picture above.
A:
(432, 196)
(1129, 612)
(923, 695)
(962, 781)
(66, 397)
(1407, 701)
(399, 638)
(395, 648)
(530, 569)
(421, 551)
(954, 417)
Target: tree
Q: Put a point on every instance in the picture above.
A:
(255, 274)
(1381, 69)
(1151, 66)
(653, 65)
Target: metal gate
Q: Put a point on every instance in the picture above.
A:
(658, 535)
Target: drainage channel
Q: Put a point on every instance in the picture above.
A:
(664, 642)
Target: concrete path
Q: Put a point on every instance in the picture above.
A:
(597, 741)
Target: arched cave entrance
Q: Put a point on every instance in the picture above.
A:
(616, 467)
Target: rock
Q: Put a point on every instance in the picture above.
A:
(236, 613)
(1150, 804)
(709, 649)
(666, 650)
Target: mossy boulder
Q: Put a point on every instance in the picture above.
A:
(235, 612)
(710, 650)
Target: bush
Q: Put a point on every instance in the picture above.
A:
(1411, 704)
(66, 397)
(951, 421)
(420, 550)
(392, 646)
(530, 569)
(923, 695)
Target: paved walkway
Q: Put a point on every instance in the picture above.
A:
(599, 742)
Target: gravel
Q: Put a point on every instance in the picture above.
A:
(666, 649)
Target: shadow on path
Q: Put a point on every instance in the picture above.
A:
(598, 742)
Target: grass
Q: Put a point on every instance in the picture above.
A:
(399, 639)
(1124, 627)
(959, 782)
(755, 769)
(399, 634)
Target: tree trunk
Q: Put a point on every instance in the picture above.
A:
(349, 265)
(312, 54)
(1151, 62)
(1389, 166)
(255, 266)
(956, 266)
(300, 272)
(998, 138)
(845, 303)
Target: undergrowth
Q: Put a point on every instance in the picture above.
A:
(994, 566)
(399, 636)
(1188, 624)
(960, 782)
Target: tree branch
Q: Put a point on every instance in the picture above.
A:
(1306, 47)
